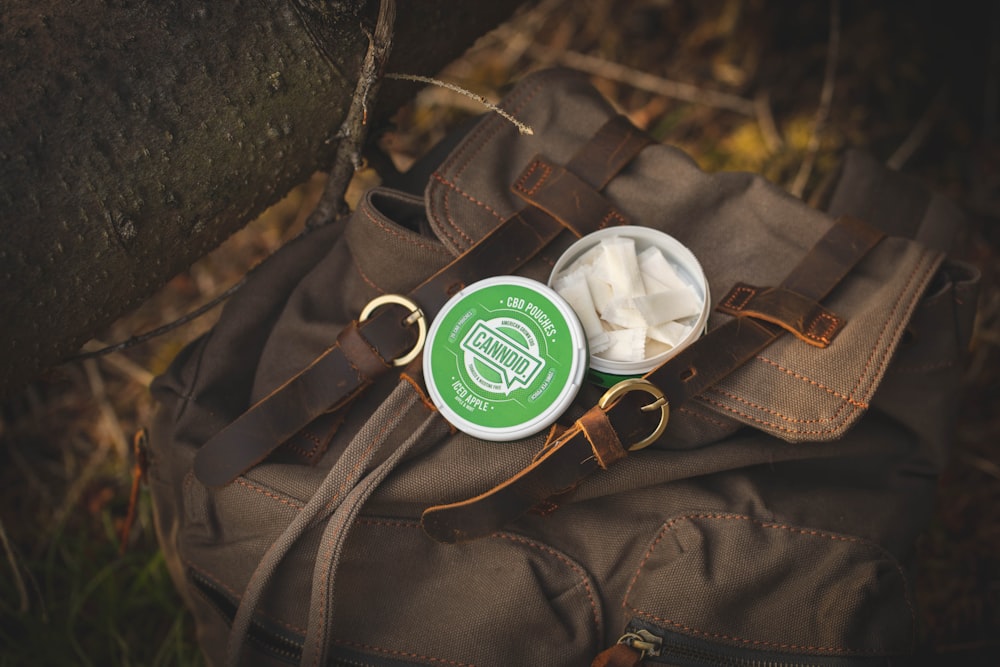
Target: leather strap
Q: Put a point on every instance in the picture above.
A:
(572, 456)
(570, 194)
(364, 351)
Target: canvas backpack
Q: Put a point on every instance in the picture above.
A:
(314, 506)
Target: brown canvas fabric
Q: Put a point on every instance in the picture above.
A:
(776, 516)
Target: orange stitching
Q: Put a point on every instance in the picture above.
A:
(298, 450)
(242, 481)
(397, 233)
(794, 420)
(566, 561)
(810, 381)
(420, 392)
(465, 194)
(752, 642)
(688, 411)
(612, 215)
(747, 293)
(669, 525)
(368, 280)
(404, 654)
(832, 322)
(529, 172)
(389, 523)
(778, 427)
(307, 453)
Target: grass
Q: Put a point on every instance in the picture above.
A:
(68, 597)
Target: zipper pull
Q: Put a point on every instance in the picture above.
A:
(630, 650)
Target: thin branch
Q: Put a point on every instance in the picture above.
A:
(678, 90)
(15, 567)
(354, 129)
(765, 120)
(918, 134)
(521, 127)
(825, 101)
(159, 331)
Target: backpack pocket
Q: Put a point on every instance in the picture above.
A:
(533, 603)
(750, 591)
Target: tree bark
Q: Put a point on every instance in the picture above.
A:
(136, 136)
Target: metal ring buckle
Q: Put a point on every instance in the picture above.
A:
(416, 316)
(612, 395)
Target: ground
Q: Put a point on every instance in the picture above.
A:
(777, 88)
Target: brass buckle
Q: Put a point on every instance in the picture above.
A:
(611, 396)
(416, 316)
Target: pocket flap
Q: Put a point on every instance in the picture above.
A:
(782, 587)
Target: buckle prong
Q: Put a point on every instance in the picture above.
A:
(416, 316)
(614, 394)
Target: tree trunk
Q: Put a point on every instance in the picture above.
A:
(136, 136)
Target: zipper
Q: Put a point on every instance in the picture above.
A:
(277, 641)
(658, 646)
(272, 639)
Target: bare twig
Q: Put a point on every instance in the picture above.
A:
(678, 90)
(128, 369)
(521, 127)
(765, 120)
(114, 437)
(919, 132)
(159, 331)
(354, 129)
(982, 464)
(15, 567)
(825, 100)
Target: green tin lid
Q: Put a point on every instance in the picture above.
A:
(504, 358)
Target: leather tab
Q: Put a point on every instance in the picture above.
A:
(799, 315)
(360, 354)
(610, 150)
(566, 197)
(571, 194)
(602, 437)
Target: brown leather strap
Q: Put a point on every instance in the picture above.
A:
(566, 197)
(572, 457)
(570, 194)
(806, 319)
(366, 350)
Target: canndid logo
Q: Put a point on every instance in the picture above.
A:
(491, 344)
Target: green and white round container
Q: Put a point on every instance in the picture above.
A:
(504, 358)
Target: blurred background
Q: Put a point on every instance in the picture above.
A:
(777, 88)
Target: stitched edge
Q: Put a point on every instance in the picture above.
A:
(520, 184)
(830, 324)
(398, 233)
(273, 495)
(617, 217)
(512, 537)
(402, 654)
(742, 292)
(669, 525)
